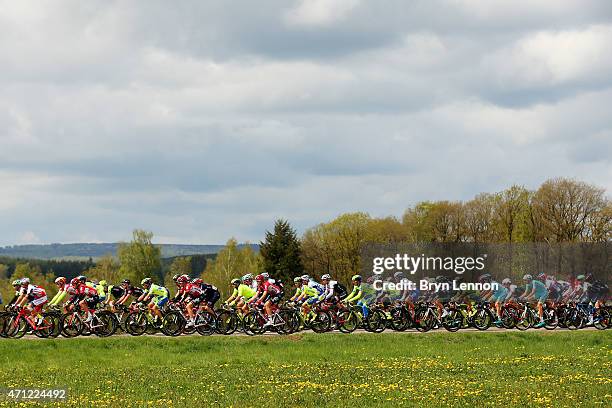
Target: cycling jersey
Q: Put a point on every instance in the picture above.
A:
(157, 290)
(193, 291)
(135, 292)
(271, 288)
(246, 292)
(356, 294)
(500, 293)
(33, 292)
(309, 292)
(540, 290)
(116, 291)
(320, 289)
(86, 291)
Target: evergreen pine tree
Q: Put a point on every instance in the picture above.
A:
(281, 252)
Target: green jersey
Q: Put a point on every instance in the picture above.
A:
(246, 292)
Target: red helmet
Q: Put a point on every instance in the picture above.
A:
(259, 278)
(181, 280)
(197, 281)
(75, 282)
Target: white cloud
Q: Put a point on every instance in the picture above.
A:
(320, 12)
(548, 58)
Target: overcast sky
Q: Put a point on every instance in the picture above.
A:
(205, 120)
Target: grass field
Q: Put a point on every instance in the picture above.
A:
(461, 369)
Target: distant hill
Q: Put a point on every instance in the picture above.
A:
(86, 251)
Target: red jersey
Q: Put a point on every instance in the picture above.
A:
(193, 290)
(86, 291)
(271, 288)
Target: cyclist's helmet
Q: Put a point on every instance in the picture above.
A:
(305, 278)
(126, 282)
(175, 277)
(17, 282)
(266, 275)
(370, 280)
(541, 276)
(236, 281)
(25, 281)
(398, 275)
(356, 278)
(82, 278)
(75, 282)
(197, 281)
(506, 281)
(146, 282)
(103, 283)
(527, 277)
(580, 277)
(60, 281)
(247, 278)
(297, 279)
(327, 276)
(485, 277)
(181, 280)
(259, 278)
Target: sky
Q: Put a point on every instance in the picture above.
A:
(201, 121)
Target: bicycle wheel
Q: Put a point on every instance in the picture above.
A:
(551, 321)
(509, 316)
(252, 324)
(173, 323)
(136, 323)
(453, 320)
(348, 320)
(424, 319)
(399, 318)
(205, 323)
(376, 321)
(104, 324)
(482, 319)
(227, 322)
(71, 325)
(601, 318)
(321, 322)
(16, 326)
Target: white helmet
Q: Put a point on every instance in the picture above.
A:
(506, 281)
(327, 276)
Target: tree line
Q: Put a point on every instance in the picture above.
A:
(560, 210)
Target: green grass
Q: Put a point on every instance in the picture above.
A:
(461, 369)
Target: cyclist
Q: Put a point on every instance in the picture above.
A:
(234, 297)
(334, 290)
(181, 283)
(297, 284)
(210, 294)
(356, 294)
(113, 294)
(311, 292)
(156, 295)
(245, 293)
(129, 290)
(33, 297)
(193, 296)
(86, 297)
(62, 291)
(268, 294)
(534, 289)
